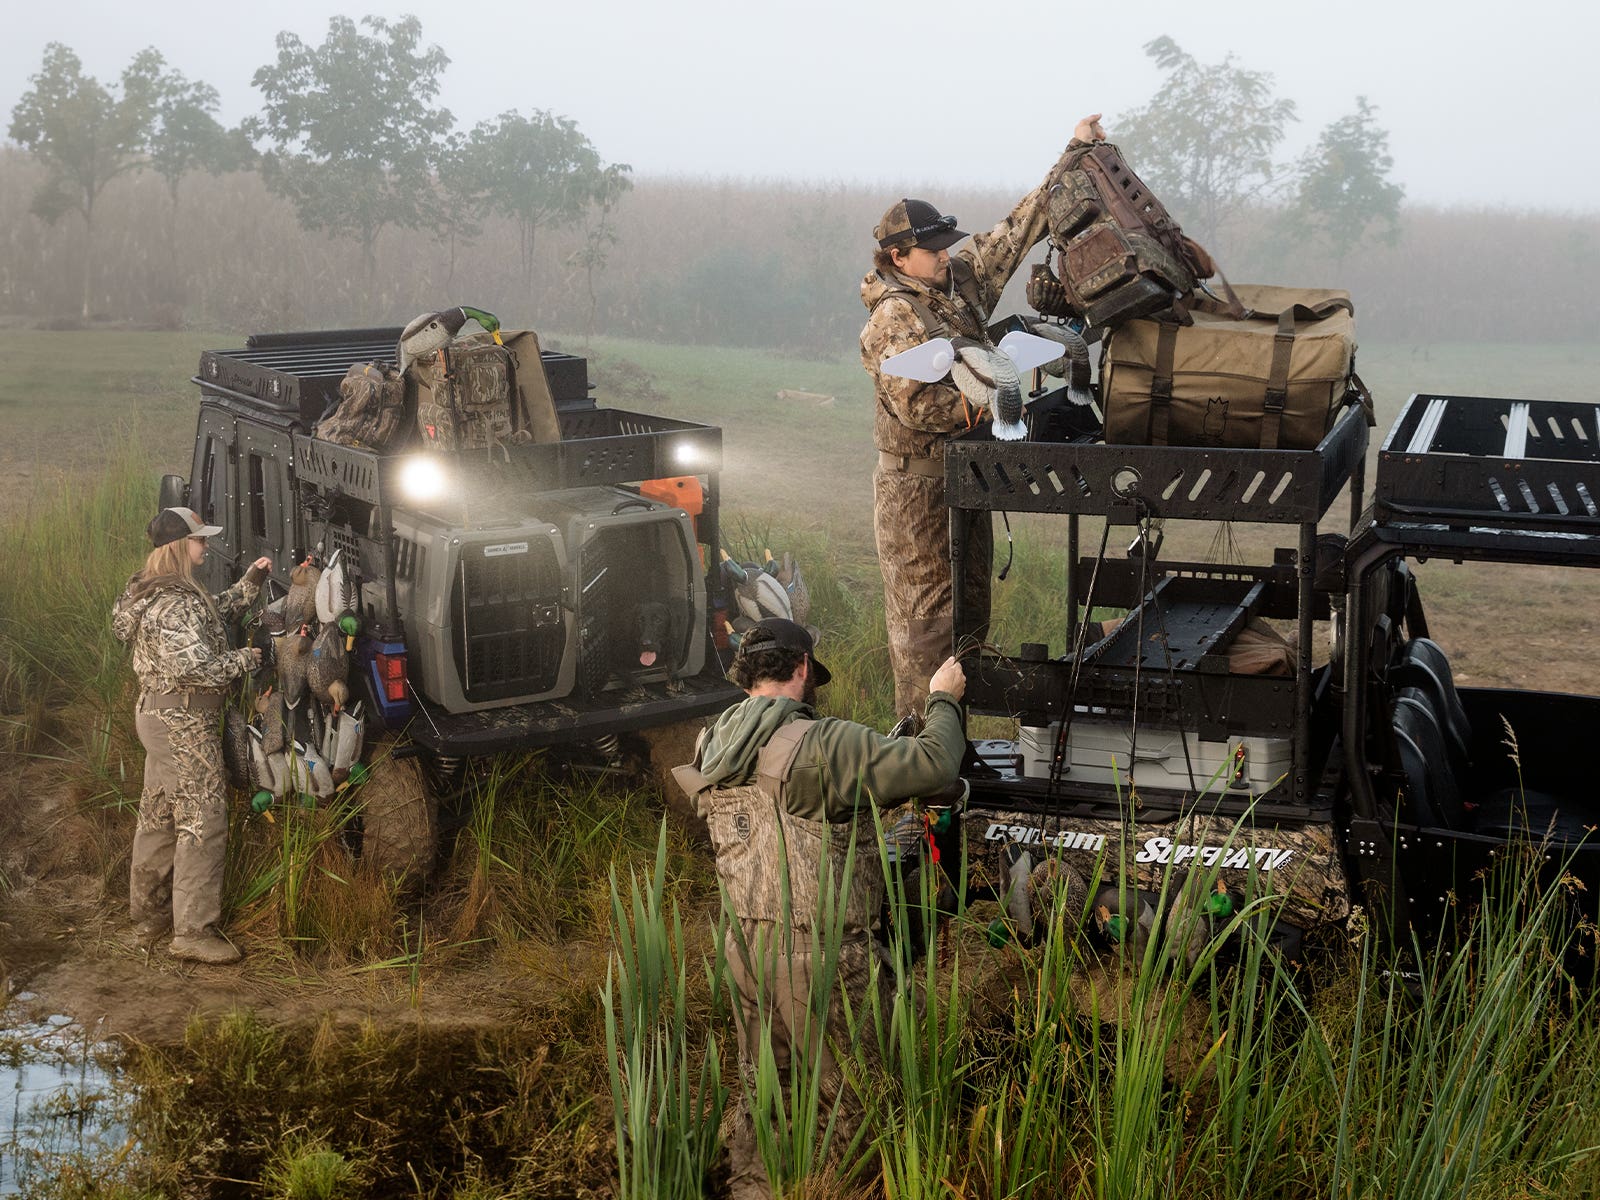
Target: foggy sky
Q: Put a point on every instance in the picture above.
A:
(1486, 104)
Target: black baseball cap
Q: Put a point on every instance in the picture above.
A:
(170, 524)
(916, 223)
(777, 633)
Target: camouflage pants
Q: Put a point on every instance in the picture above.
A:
(182, 833)
(782, 1000)
(913, 532)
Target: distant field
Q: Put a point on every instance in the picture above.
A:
(70, 402)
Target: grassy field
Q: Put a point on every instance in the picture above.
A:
(583, 951)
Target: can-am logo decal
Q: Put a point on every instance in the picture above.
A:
(1063, 839)
(505, 548)
(1156, 850)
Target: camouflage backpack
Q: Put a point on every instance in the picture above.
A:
(372, 404)
(1121, 255)
(466, 396)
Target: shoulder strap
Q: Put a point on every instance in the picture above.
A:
(688, 776)
(966, 282)
(776, 759)
(932, 326)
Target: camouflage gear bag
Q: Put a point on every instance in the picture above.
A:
(466, 396)
(1121, 253)
(372, 405)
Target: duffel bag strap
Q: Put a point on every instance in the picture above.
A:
(1161, 384)
(1278, 380)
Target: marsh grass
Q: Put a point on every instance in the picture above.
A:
(1200, 1063)
(1057, 1068)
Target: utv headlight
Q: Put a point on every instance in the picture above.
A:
(422, 478)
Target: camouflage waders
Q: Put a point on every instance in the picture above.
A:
(182, 834)
(777, 1004)
(912, 526)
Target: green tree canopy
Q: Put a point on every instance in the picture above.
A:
(540, 171)
(85, 135)
(355, 135)
(1344, 182)
(186, 136)
(1205, 142)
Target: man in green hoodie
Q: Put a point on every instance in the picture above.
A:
(787, 795)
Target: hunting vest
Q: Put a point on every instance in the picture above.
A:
(754, 834)
(935, 326)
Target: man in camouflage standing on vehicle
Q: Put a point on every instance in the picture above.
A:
(918, 291)
(785, 794)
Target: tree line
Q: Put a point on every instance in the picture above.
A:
(352, 197)
(348, 133)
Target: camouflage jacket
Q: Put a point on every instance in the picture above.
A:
(179, 642)
(779, 839)
(913, 418)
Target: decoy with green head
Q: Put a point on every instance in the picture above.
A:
(432, 332)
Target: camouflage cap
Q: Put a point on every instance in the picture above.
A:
(170, 524)
(916, 223)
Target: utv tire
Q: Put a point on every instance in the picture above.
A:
(671, 746)
(399, 819)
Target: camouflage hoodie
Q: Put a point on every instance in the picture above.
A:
(912, 418)
(841, 766)
(178, 638)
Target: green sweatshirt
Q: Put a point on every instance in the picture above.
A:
(841, 765)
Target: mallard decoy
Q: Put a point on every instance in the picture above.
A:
(328, 667)
(432, 332)
(300, 605)
(794, 582)
(236, 749)
(293, 654)
(274, 734)
(272, 618)
(341, 743)
(336, 593)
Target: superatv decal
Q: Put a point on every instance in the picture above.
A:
(1165, 850)
(1156, 850)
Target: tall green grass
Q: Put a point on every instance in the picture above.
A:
(1200, 1064)
(1056, 1068)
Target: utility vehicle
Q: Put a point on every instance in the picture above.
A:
(528, 594)
(1146, 761)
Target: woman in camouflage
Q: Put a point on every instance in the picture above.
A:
(184, 665)
(918, 290)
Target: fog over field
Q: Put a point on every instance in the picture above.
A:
(1487, 104)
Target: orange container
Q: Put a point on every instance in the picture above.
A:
(680, 491)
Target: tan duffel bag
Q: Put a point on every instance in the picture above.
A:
(1275, 380)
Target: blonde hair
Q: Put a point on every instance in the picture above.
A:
(168, 565)
(171, 559)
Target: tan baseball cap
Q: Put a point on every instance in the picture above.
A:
(174, 523)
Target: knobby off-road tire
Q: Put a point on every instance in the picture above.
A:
(671, 746)
(399, 818)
